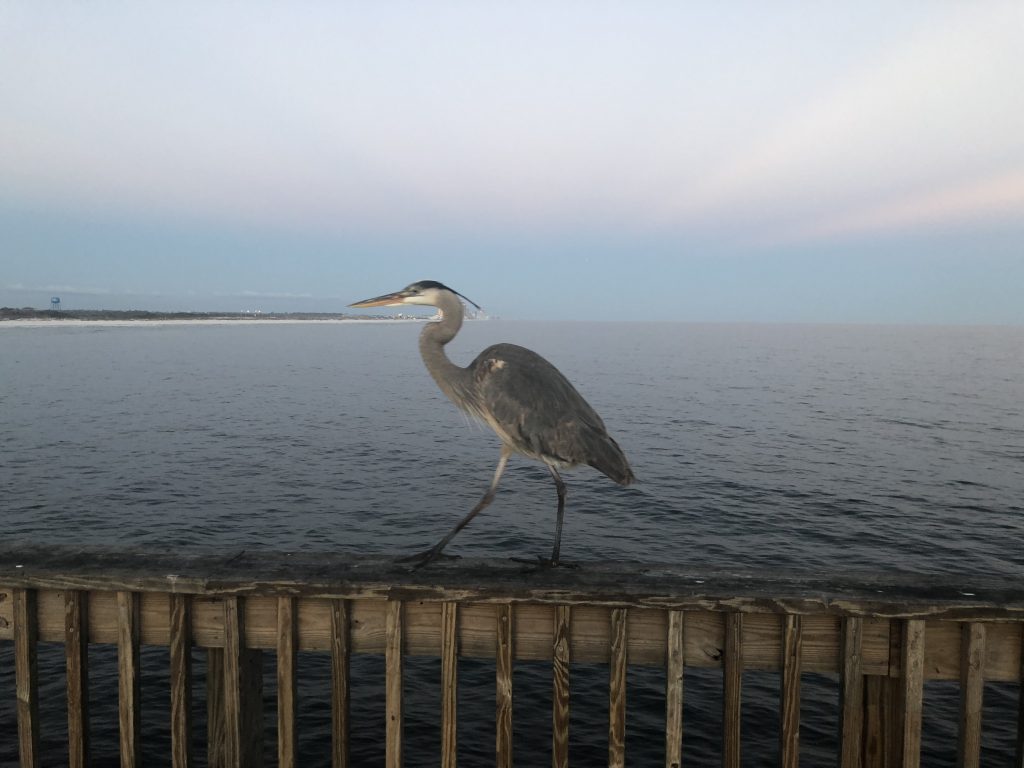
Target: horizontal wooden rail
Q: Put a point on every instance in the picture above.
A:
(881, 636)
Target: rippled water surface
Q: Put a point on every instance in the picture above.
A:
(810, 447)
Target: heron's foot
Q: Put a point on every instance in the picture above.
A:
(420, 559)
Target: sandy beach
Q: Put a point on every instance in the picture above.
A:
(211, 321)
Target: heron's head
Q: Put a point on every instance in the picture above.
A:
(425, 292)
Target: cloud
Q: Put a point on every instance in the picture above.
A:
(85, 290)
(270, 295)
(999, 197)
(934, 111)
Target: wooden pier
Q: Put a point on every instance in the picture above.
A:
(881, 635)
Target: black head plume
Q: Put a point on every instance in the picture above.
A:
(423, 285)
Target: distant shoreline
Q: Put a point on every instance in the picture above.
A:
(40, 317)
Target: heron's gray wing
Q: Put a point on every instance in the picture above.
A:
(537, 410)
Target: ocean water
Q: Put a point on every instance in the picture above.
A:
(825, 448)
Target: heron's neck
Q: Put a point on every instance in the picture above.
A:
(453, 380)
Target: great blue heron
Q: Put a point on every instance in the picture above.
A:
(526, 400)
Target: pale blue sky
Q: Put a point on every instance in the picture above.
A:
(695, 161)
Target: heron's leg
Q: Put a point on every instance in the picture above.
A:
(432, 553)
(561, 513)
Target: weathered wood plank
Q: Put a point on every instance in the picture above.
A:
(972, 690)
(234, 632)
(129, 676)
(590, 641)
(789, 727)
(674, 666)
(26, 675)
(1019, 758)
(851, 695)
(216, 734)
(393, 686)
(560, 684)
(893, 701)
(873, 747)
(340, 651)
(732, 684)
(243, 691)
(287, 658)
(181, 680)
(912, 678)
(449, 685)
(504, 653)
(659, 586)
(76, 660)
(617, 689)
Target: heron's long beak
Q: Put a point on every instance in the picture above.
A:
(387, 300)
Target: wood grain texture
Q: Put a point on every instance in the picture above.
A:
(393, 686)
(873, 747)
(617, 689)
(76, 662)
(623, 584)
(340, 653)
(1019, 757)
(732, 685)
(242, 691)
(589, 643)
(287, 659)
(129, 677)
(26, 675)
(504, 653)
(674, 667)
(851, 695)
(216, 737)
(449, 685)
(234, 632)
(789, 727)
(972, 690)
(912, 679)
(560, 685)
(181, 680)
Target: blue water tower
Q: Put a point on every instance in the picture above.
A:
(55, 303)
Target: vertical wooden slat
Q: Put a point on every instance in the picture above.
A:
(893, 696)
(732, 688)
(503, 717)
(243, 691)
(789, 730)
(181, 680)
(129, 675)
(617, 689)
(234, 636)
(674, 662)
(393, 685)
(76, 657)
(287, 656)
(912, 697)
(972, 689)
(560, 698)
(449, 684)
(1019, 758)
(216, 737)
(26, 635)
(340, 651)
(851, 693)
(874, 749)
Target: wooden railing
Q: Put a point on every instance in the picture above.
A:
(884, 636)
